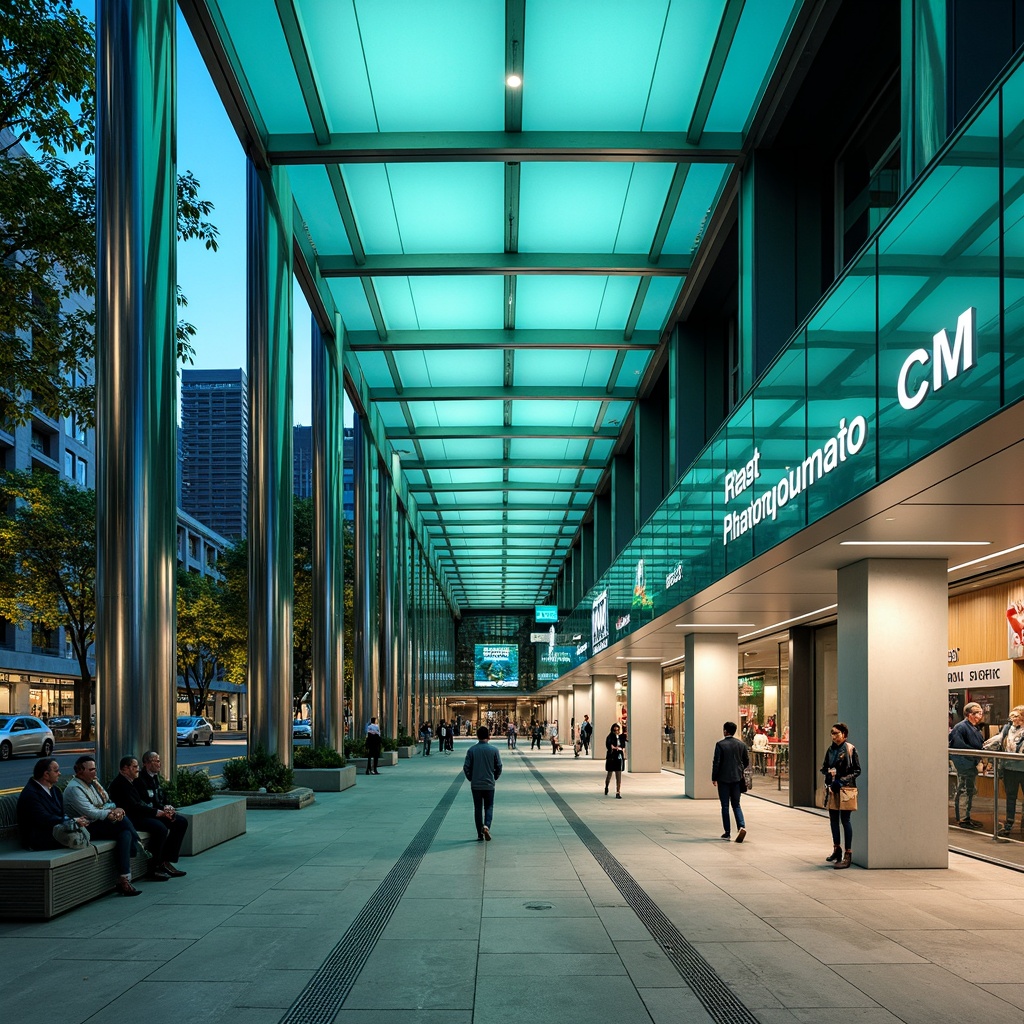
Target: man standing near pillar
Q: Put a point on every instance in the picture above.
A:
(967, 735)
(730, 759)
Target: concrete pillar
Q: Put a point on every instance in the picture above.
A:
(643, 725)
(711, 697)
(892, 641)
(271, 569)
(603, 694)
(135, 380)
(583, 704)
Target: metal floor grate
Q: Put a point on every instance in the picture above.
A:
(715, 995)
(320, 1001)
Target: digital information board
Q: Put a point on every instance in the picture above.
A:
(496, 666)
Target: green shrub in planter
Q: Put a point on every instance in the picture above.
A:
(405, 740)
(355, 748)
(387, 743)
(318, 757)
(190, 786)
(259, 770)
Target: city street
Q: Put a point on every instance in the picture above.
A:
(14, 773)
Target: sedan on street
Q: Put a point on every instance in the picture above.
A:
(24, 735)
(301, 729)
(193, 730)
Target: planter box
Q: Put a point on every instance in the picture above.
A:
(293, 800)
(213, 822)
(404, 752)
(388, 759)
(326, 780)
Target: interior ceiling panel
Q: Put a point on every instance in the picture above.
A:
(505, 258)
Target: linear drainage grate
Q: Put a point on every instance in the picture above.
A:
(718, 999)
(320, 1000)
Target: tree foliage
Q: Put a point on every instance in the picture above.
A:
(48, 565)
(47, 212)
(203, 636)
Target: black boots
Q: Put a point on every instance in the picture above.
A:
(845, 862)
(835, 856)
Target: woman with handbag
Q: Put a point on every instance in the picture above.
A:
(840, 766)
(615, 759)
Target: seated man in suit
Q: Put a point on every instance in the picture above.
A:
(40, 807)
(153, 796)
(165, 834)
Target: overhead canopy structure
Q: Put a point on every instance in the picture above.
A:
(507, 259)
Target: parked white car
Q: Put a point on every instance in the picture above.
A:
(194, 730)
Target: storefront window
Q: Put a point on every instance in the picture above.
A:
(763, 686)
(672, 738)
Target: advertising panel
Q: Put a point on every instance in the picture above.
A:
(496, 666)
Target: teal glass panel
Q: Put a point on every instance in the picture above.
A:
(448, 303)
(633, 366)
(777, 497)
(840, 343)
(312, 193)
(701, 511)
(570, 207)
(586, 478)
(466, 476)
(396, 303)
(546, 301)
(391, 414)
(615, 413)
(351, 302)
(1013, 237)
(567, 42)
(658, 302)
(602, 449)
(375, 369)
(258, 39)
(697, 202)
(456, 414)
(738, 475)
(550, 476)
(751, 58)
(451, 367)
(645, 200)
(540, 413)
(435, 67)
(573, 367)
(332, 34)
(539, 448)
(929, 391)
(690, 30)
(616, 302)
(448, 207)
(370, 196)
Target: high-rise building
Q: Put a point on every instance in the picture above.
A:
(302, 461)
(215, 448)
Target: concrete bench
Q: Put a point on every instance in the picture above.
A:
(39, 884)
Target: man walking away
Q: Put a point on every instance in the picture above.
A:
(730, 759)
(482, 768)
(586, 732)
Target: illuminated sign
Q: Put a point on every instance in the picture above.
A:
(599, 623)
(545, 613)
(945, 361)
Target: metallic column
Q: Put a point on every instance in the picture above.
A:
(360, 591)
(135, 379)
(269, 331)
(385, 605)
(328, 540)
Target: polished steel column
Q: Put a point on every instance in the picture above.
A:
(328, 695)
(360, 590)
(386, 621)
(402, 605)
(136, 421)
(269, 281)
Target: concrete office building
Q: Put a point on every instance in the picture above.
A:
(716, 353)
(215, 448)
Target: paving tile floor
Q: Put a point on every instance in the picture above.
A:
(528, 927)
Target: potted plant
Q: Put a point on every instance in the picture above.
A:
(265, 781)
(323, 770)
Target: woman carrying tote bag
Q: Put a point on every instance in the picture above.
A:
(840, 766)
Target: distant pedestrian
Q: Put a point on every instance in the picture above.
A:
(731, 757)
(511, 735)
(615, 759)
(483, 768)
(586, 734)
(553, 736)
(425, 734)
(373, 745)
(841, 766)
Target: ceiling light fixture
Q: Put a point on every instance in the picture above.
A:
(786, 622)
(714, 625)
(631, 657)
(513, 81)
(985, 558)
(914, 543)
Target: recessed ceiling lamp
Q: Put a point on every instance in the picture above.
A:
(513, 81)
(786, 622)
(713, 625)
(914, 543)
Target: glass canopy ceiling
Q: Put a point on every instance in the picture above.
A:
(507, 261)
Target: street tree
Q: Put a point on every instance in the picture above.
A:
(48, 566)
(202, 636)
(47, 212)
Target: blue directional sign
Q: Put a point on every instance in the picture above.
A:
(545, 613)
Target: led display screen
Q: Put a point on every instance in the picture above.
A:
(496, 666)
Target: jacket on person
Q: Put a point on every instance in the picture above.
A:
(482, 765)
(965, 735)
(846, 762)
(373, 744)
(150, 790)
(126, 796)
(87, 801)
(731, 757)
(39, 810)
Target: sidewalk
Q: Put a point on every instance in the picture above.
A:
(378, 906)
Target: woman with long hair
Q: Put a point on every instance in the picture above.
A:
(615, 759)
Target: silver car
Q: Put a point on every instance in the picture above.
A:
(193, 730)
(24, 735)
(301, 729)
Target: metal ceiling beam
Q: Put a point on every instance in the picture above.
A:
(414, 341)
(498, 537)
(561, 433)
(497, 393)
(519, 506)
(485, 463)
(713, 72)
(515, 39)
(479, 263)
(305, 72)
(479, 486)
(460, 147)
(433, 525)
